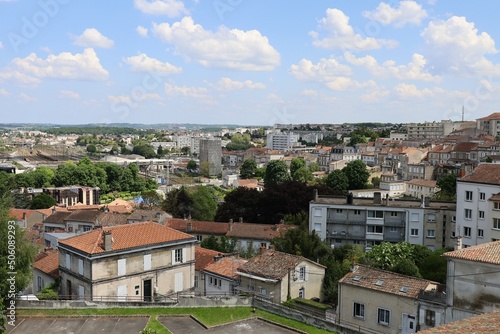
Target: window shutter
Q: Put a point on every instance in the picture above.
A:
(184, 254)
(68, 261)
(147, 262)
(307, 273)
(173, 256)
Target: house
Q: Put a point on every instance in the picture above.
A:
(141, 215)
(80, 221)
(199, 229)
(45, 270)
(280, 276)
(67, 196)
(221, 276)
(419, 188)
(55, 222)
(203, 257)
(128, 262)
(379, 301)
(253, 237)
(472, 280)
(26, 218)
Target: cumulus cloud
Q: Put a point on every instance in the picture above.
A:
(229, 84)
(408, 91)
(225, 48)
(339, 34)
(68, 94)
(85, 65)
(415, 70)
(142, 31)
(8, 74)
(171, 8)
(199, 93)
(93, 38)
(143, 63)
(324, 70)
(455, 46)
(408, 12)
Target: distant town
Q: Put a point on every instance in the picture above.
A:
(366, 227)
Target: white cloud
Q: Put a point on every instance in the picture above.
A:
(341, 35)
(325, 70)
(415, 70)
(375, 95)
(309, 92)
(229, 84)
(4, 92)
(26, 98)
(93, 38)
(68, 94)
(1, 45)
(46, 49)
(142, 31)
(194, 92)
(171, 8)
(224, 48)
(143, 63)
(120, 99)
(12, 75)
(408, 12)
(85, 66)
(455, 46)
(408, 91)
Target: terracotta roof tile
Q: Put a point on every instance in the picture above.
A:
(484, 173)
(125, 237)
(226, 267)
(202, 227)
(487, 253)
(423, 183)
(49, 264)
(88, 216)
(272, 264)
(464, 147)
(257, 231)
(485, 323)
(203, 257)
(57, 217)
(18, 214)
(491, 117)
(392, 283)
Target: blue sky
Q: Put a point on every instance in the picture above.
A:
(247, 62)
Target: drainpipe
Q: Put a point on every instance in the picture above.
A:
(289, 296)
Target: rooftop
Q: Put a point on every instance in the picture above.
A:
(202, 227)
(485, 323)
(203, 257)
(226, 266)
(487, 253)
(257, 231)
(484, 173)
(48, 264)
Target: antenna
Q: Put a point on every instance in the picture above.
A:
(463, 110)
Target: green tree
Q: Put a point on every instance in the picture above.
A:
(276, 172)
(338, 181)
(12, 234)
(357, 174)
(186, 150)
(248, 169)
(42, 201)
(434, 266)
(387, 255)
(91, 148)
(151, 199)
(191, 166)
(144, 150)
(205, 168)
(376, 182)
(296, 164)
(159, 151)
(406, 267)
(314, 167)
(303, 174)
(447, 187)
(204, 204)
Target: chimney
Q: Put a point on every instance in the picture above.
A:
(458, 243)
(427, 201)
(54, 209)
(276, 227)
(189, 227)
(315, 193)
(377, 197)
(262, 250)
(230, 227)
(108, 240)
(353, 266)
(241, 219)
(271, 247)
(350, 198)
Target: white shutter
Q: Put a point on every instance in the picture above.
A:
(178, 284)
(122, 267)
(68, 261)
(122, 293)
(147, 262)
(80, 266)
(173, 256)
(184, 255)
(307, 273)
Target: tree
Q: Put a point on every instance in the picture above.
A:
(204, 204)
(448, 186)
(91, 148)
(191, 166)
(240, 202)
(357, 174)
(314, 167)
(406, 267)
(434, 266)
(338, 181)
(376, 182)
(159, 151)
(42, 201)
(144, 150)
(186, 150)
(205, 168)
(276, 172)
(178, 203)
(151, 199)
(248, 169)
(13, 239)
(296, 164)
(387, 255)
(303, 174)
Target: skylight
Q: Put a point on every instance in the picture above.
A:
(357, 277)
(404, 289)
(380, 282)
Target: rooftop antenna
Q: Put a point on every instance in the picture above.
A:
(463, 109)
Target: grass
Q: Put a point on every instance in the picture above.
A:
(210, 316)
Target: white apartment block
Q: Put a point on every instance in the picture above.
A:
(478, 205)
(429, 130)
(282, 141)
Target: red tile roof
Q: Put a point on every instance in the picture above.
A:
(226, 267)
(18, 214)
(49, 264)
(202, 227)
(125, 237)
(485, 323)
(257, 231)
(272, 264)
(492, 117)
(487, 253)
(203, 257)
(484, 173)
(367, 277)
(423, 183)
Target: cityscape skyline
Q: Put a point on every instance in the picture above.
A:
(247, 63)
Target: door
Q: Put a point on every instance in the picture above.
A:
(81, 292)
(147, 290)
(121, 294)
(409, 325)
(69, 291)
(178, 282)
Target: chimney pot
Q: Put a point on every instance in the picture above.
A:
(108, 241)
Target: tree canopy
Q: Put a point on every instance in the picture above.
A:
(357, 174)
(338, 181)
(248, 169)
(42, 201)
(276, 172)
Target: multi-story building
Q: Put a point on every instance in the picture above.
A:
(477, 218)
(347, 153)
(368, 222)
(282, 141)
(429, 130)
(211, 153)
(490, 124)
(69, 196)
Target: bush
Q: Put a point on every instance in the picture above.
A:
(48, 294)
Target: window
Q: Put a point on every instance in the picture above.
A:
(482, 196)
(199, 237)
(414, 217)
(467, 231)
(431, 217)
(302, 273)
(468, 214)
(195, 281)
(87, 228)
(263, 245)
(40, 283)
(80, 266)
(383, 316)
(431, 233)
(374, 229)
(301, 293)
(317, 212)
(68, 261)
(178, 255)
(393, 229)
(122, 267)
(357, 212)
(394, 214)
(147, 262)
(468, 195)
(430, 318)
(481, 214)
(414, 232)
(496, 223)
(359, 310)
(375, 214)
(339, 211)
(480, 233)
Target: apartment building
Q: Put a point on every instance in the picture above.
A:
(429, 130)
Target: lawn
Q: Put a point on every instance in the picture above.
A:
(210, 316)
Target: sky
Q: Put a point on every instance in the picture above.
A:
(247, 62)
